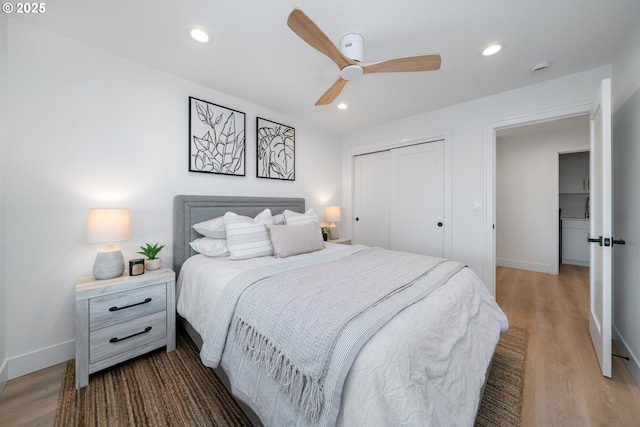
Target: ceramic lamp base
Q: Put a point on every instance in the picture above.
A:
(108, 264)
(333, 232)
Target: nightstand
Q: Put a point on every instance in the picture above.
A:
(121, 318)
(342, 241)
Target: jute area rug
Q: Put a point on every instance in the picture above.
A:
(176, 389)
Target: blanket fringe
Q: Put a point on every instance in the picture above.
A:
(305, 392)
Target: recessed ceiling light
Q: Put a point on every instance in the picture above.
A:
(342, 106)
(493, 48)
(198, 34)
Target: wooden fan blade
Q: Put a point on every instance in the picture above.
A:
(406, 63)
(308, 31)
(330, 95)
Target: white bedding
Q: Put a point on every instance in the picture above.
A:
(425, 367)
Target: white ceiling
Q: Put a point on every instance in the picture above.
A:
(256, 57)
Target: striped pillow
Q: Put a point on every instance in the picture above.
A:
(248, 237)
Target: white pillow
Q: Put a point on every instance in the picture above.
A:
(295, 218)
(288, 240)
(246, 237)
(278, 219)
(210, 247)
(213, 228)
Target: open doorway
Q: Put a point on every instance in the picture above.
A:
(527, 194)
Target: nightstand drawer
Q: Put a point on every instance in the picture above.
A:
(120, 307)
(122, 337)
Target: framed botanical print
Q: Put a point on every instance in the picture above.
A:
(276, 145)
(216, 139)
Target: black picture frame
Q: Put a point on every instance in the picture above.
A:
(216, 139)
(276, 149)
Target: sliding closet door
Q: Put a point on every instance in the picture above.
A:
(371, 199)
(417, 199)
(399, 199)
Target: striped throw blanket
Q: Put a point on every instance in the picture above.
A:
(289, 323)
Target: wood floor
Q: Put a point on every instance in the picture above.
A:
(563, 385)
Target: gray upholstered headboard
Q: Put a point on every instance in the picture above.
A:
(189, 210)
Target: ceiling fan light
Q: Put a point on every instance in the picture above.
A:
(342, 106)
(351, 72)
(493, 48)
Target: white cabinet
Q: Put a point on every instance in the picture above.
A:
(574, 173)
(575, 248)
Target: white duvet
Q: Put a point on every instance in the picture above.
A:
(426, 367)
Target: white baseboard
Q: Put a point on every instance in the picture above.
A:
(523, 265)
(4, 375)
(633, 363)
(36, 360)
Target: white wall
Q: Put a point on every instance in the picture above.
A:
(527, 196)
(90, 129)
(625, 77)
(4, 371)
(471, 125)
(626, 197)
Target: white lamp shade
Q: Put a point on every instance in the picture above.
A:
(108, 225)
(332, 214)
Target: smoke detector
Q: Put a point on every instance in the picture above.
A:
(540, 67)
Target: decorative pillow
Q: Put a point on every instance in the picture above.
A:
(288, 240)
(246, 237)
(295, 218)
(210, 247)
(213, 228)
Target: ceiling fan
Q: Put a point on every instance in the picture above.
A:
(351, 66)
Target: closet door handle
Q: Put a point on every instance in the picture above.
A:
(440, 224)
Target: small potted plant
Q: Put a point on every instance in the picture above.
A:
(152, 262)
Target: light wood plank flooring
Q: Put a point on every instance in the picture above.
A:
(563, 385)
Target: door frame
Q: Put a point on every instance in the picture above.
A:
(389, 144)
(490, 129)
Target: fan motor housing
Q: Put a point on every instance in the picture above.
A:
(352, 46)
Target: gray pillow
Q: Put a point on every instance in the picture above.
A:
(288, 240)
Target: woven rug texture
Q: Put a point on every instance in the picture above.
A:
(176, 389)
(157, 389)
(501, 405)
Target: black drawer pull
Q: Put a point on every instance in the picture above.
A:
(114, 308)
(116, 339)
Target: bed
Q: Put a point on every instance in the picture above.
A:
(417, 356)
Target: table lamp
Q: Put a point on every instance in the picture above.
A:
(108, 226)
(332, 215)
